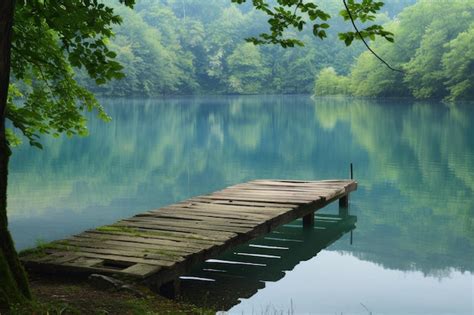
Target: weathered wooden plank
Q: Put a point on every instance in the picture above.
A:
(78, 267)
(156, 236)
(235, 208)
(204, 199)
(283, 186)
(259, 199)
(165, 243)
(295, 182)
(282, 189)
(252, 217)
(140, 270)
(228, 209)
(204, 215)
(185, 233)
(219, 233)
(320, 193)
(81, 261)
(101, 248)
(116, 244)
(190, 220)
(323, 189)
(111, 257)
(274, 194)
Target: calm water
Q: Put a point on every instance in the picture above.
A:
(411, 220)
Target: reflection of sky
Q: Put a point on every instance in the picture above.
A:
(414, 164)
(337, 282)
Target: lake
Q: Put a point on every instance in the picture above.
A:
(407, 246)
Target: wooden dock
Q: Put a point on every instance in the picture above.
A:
(160, 245)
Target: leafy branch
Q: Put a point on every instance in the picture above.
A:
(284, 15)
(369, 32)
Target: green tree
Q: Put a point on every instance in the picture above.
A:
(47, 42)
(295, 68)
(368, 78)
(458, 66)
(154, 56)
(223, 34)
(329, 83)
(247, 68)
(436, 55)
(424, 72)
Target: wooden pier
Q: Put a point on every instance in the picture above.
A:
(160, 245)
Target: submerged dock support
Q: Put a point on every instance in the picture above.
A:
(344, 201)
(171, 289)
(344, 205)
(308, 220)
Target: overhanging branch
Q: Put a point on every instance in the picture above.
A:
(365, 43)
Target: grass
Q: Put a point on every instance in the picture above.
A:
(36, 307)
(132, 306)
(41, 247)
(71, 296)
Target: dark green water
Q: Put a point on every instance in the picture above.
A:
(413, 242)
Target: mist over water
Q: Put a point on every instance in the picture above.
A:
(411, 218)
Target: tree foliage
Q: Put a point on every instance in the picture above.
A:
(49, 41)
(435, 53)
(246, 65)
(458, 61)
(41, 41)
(297, 14)
(329, 83)
(195, 41)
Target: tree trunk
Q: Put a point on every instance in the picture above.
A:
(13, 284)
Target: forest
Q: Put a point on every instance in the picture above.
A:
(197, 47)
(435, 57)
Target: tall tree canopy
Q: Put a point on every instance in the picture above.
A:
(43, 42)
(174, 47)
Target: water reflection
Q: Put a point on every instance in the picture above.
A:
(242, 271)
(414, 163)
(417, 185)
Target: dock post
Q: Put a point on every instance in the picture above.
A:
(171, 289)
(344, 205)
(344, 201)
(308, 220)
